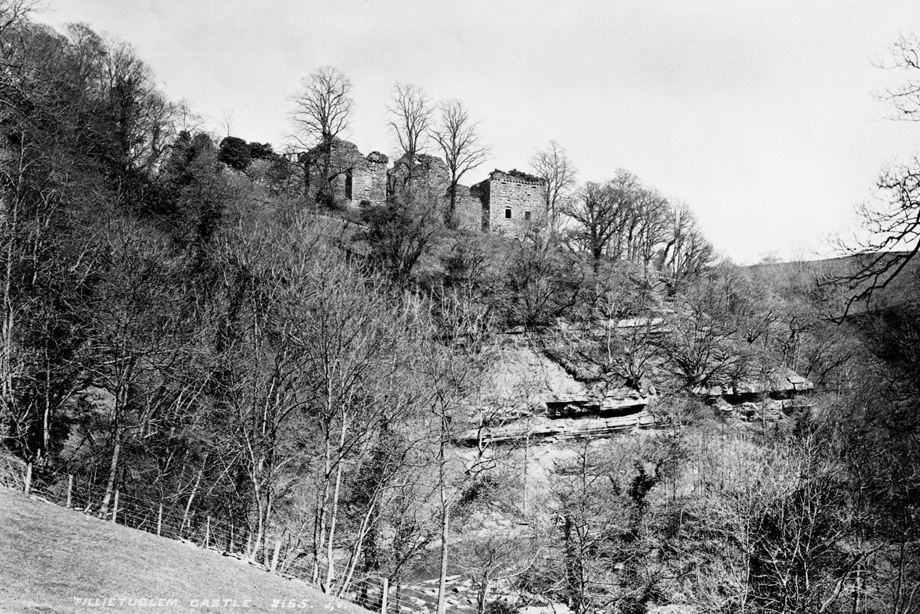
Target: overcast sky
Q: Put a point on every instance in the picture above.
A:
(760, 115)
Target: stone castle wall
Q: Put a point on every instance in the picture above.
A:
(429, 178)
(369, 180)
(515, 203)
(505, 203)
(353, 178)
(469, 209)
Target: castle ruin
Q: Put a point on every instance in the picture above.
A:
(512, 202)
(504, 203)
(351, 177)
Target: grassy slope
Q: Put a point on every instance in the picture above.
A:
(904, 285)
(51, 557)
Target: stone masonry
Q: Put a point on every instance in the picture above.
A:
(353, 178)
(369, 180)
(469, 209)
(505, 203)
(513, 202)
(430, 178)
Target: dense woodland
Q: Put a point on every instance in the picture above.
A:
(180, 321)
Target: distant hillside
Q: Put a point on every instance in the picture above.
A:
(55, 560)
(830, 269)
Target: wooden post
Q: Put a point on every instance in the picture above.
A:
(249, 546)
(69, 488)
(384, 589)
(275, 556)
(207, 531)
(115, 507)
(160, 520)
(28, 485)
(230, 540)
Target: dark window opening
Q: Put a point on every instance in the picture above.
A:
(348, 185)
(507, 214)
(527, 215)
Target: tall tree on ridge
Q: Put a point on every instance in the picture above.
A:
(322, 111)
(323, 106)
(411, 114)
(459, 140)
(554, 167)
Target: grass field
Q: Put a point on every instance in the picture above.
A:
(56, 560)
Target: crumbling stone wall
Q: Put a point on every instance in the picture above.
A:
(469, 209)
(430, 178)
(369, 179)
(352, 177)
(505, 203)
(514, 202)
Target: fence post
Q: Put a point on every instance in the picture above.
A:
(249, 546)
(275, 556)
(230, 540)
(28, 485)
(115, 508)
(69, 488)
(207, 531)
(384, 589)
(160, 520)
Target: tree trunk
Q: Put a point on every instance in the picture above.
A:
(442, 580)
(191, 497)
(7, 227)
(319, 522)
(113, 472)
(46, 415)
(260, 528)
(266, 520)
(363, 531)
(330, 561)
(483, 595)
(445, 522)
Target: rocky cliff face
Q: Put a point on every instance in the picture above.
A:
(528, 395)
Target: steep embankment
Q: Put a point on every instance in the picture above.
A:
(56, 560)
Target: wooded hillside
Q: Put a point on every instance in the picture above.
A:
(184, 322)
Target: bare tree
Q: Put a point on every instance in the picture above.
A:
(700, 347)
(135, 339)
(600, 214)
(452, 370)
(687, 252)
(905, 56)
(647, 228)
(463, 150)
(264, 380)
(554, 167)
(602, 500)
(141, 121)
(543, 282)
(399, 233)
(627, 351)
(323, 106)
(322, 111)
(411, 115)
(797, 561)
(892, 220)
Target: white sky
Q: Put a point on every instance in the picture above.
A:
(759, 115)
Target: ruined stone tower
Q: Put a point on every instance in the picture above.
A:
(512, 202)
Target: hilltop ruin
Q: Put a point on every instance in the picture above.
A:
(504, 203)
